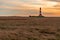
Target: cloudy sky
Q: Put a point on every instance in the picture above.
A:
(29, 7)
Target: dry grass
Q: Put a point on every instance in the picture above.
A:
(29, 28)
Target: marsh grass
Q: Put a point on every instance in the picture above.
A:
(30, 29)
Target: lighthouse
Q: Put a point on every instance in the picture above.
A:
(40, 13)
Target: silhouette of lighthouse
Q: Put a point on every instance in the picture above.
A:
(40, 12)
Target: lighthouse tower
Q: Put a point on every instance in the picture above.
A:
(40, 13)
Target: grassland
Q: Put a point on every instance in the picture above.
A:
(29, 28)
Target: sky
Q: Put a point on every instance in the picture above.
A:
(50, 8)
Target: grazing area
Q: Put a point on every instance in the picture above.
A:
(29, 28)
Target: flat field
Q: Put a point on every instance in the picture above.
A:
(29, 28)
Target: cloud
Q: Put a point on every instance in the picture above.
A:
(58, 5)
(55, 0)
(28, 3)
(43, 3)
